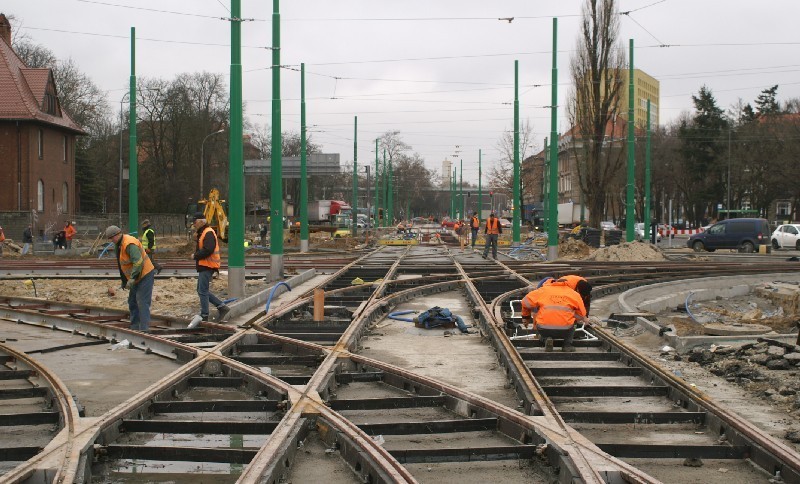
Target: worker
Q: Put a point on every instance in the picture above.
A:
(578, 284)
(137, 274)
(401, 229)
(207, 262)
(69, 233)
(27, 240)
(492, 232)
(557, 307)
(474, 225)
(148, 239)
(2, 239)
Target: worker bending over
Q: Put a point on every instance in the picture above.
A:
(558, 307)
(578, 284)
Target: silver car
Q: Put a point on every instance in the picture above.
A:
(638, 230)
(786, 237)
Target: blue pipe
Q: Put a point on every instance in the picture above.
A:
(688, 311)
(272, 293)
(396, 315)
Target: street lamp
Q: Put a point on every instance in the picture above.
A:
(121, 125)
(202, 158)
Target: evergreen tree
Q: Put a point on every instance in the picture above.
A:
(766, 104)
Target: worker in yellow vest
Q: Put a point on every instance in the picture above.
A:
(148, 239)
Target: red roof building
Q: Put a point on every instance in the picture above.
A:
(37, 139)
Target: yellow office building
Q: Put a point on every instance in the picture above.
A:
(644, 87)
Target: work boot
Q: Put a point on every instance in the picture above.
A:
(548, 345)
(159, 268)
(568, 349)
(223, 312)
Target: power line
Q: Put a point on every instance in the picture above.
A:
(146, 39)
(155, 10)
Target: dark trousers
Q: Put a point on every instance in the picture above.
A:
(491, 241)
(563, 334)
(474, 237)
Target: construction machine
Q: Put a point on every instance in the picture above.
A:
(214, 210)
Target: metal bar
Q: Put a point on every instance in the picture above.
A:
(386, 403)
(216, 381)
(606, 391)
(33, 418)
(431, 427)
(13, 393)
(555, 356)
(187, 454)
(16, 374)
(308, 360)
(366, 376)
(67, 347)
(467, 454)
(215, 406)
(634, 417)
(586, 371)
(18, 453)
(680, 451)
(197, 427)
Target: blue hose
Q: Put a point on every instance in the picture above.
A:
(688, 311)
(396, 315)
(272, 293)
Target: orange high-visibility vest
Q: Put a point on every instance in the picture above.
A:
(476, 223)
(492, 226)
(125, 262)
(70, 231)
(557, 306)
(212, 261)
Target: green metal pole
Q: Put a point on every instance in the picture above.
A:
(235, 156)
(630, 215)
(461, 193)
(133, 157)
(354, 230)
(390, 204)
(303, 160)
(647, 178)
(377, 189)
(552, 227)
(480, 186)
(384, 181)
(276, 167)
(515, 228)
(545, 188)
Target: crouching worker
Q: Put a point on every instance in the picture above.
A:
(137, 273)
(558, 307)
(578, 284)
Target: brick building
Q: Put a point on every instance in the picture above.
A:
(37, 140)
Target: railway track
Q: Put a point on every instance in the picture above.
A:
(285, 397)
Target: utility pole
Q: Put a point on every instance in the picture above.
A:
(276, 166)
(375, 220)
(480, 187)
(235, 155)
(552, 228)
(515, 206)
(630, 215)
(385, 186)
(461, 193)
(545, 185)
(354, 230)
(133, 156)
(303, 160)
(647, 178)
(390, 205)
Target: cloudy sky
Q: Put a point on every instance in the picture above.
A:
(439, 71)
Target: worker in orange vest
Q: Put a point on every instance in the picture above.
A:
(137, 273)
(69, 232)
(207, 262)
(578, 284)
(558, 307)
(492, 232)
(474, 226)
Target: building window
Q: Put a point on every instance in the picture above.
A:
(65, 148)
(783, 209)
(41, 144)
(40, 196)
(50, 104)
(65, 198)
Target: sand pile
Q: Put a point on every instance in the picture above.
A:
(573, 249)
(629, 251)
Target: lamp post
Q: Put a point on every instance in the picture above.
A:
(121, 125)
(203, 160)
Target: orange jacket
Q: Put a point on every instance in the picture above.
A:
(212, 261)
(493, 226)
(571, 280)
(475, 223)
(70, 231)
(557, 306)
(125, 262)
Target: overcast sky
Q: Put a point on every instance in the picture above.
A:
(439, 71)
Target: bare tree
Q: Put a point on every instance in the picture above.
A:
(597, 72)
(501, 175)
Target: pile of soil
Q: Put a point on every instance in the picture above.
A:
(629, 251)
(573, 249)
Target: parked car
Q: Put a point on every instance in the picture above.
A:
(608, 225)
(786, 237)
(638, 231)
(505, 223)
(420, 221)
(744, 234)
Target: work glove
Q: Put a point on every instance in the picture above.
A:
(124, 285)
